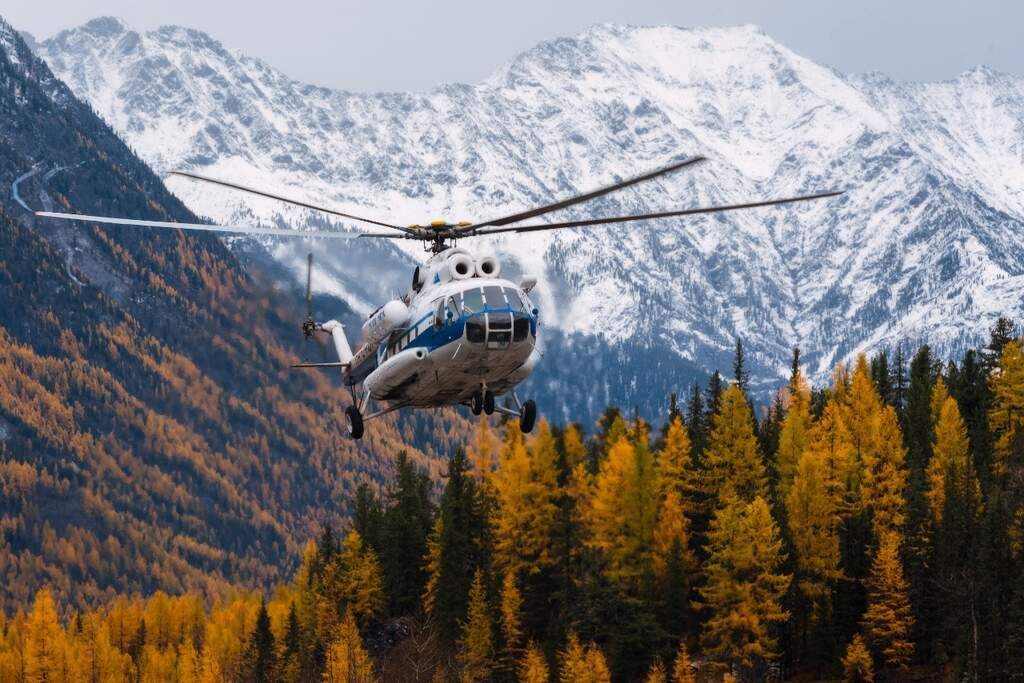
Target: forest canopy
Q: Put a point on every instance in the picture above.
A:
(873, 527)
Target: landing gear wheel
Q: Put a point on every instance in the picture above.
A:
(476, 402)
(527, 416)
(489, 402)
(355, 422)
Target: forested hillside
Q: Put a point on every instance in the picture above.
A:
(150, 435)
(871, 530)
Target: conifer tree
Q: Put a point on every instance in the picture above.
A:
(511, 618)
(359, 584)
(261, 654)
(573, 662)
(622, 512)
(1006, 416)
(814, 531)
(44, 641)
(682, 670)
(950, 454)
(884, 485)
(744, 588)
(857, 664)
(347, 660)
(888, 620)
(477, 643)
(793, 436)
(526, 492)
(657, 673)
(882, 377)
(830, 441)
(597, 665)
(534, 667)
(407, 524)
(716, 386)
(454, 550)
(696, 421)
(732, 462)
(740, 372)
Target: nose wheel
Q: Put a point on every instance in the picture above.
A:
(482, 401)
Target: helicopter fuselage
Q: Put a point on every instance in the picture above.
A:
(461, 336)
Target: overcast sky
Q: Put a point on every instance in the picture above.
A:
(415, 44)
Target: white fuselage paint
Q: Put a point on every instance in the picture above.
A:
(461, 335)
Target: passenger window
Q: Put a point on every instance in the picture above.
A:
(472, 300)
(495, 297)
(439, 314)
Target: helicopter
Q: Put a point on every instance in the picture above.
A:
(462, 335)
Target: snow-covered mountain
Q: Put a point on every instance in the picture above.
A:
(927, 244)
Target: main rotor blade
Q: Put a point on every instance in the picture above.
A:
(296, 202)
(587, 196)
(204, 227)
(663, 214)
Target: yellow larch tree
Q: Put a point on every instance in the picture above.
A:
(1006, 417)
(793, 436)
(572, 444)
(361, 581)
(45, 656)
(939, 395)
(347, 660)
(830, 441)
(682, 669)
(573, 662)
(98, 659)
(888, 619)
(526, 490)
(675, 472)
(744, 587)
(597, 665)
(511, 618)
(657, 673)
(579, 665)
(950, 459)
(862, 407)
(622, 511)
(534, 667)
(814, 530)
(733, 461)
(885, 478)
(477, 642)
(433, 565)
(675, 480)
(857, 664)
(483, 449)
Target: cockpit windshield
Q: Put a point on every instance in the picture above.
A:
(472, 300)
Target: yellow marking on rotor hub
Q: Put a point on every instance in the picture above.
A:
(439, 224)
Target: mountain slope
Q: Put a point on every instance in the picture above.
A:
(150, 436)
(925, 246)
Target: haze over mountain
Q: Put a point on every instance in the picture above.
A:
(925, 246)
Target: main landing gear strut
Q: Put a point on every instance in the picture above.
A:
(482, 401)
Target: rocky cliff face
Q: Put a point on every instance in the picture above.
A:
(925, 245)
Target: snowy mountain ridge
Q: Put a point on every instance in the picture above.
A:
(926, 245)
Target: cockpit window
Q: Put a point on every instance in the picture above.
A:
(453, 309)
(495, 297)
(472, 300)
(515, 302)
